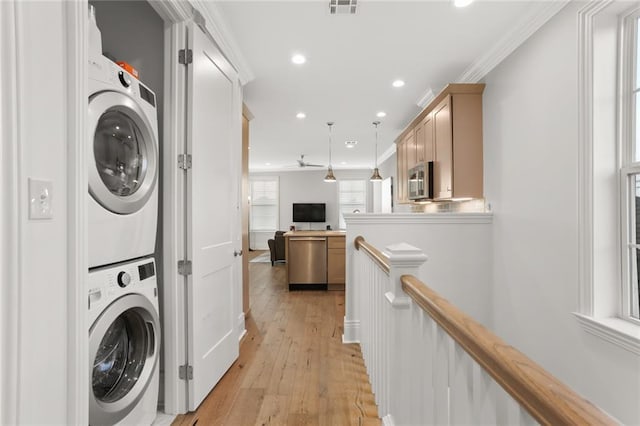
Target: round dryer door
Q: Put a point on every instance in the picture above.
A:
(124, 171)
(123, 347)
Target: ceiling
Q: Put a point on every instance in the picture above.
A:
(352, 61)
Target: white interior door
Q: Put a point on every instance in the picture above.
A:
(211, 205)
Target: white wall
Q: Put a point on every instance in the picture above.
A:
(309, 187)
(530, 166)
(458, 265)
(41, 281)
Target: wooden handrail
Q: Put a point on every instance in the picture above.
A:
(375, 254)
(548, 400)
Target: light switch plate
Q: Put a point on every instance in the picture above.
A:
(40, 199)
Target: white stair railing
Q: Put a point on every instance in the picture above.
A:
(431, 364)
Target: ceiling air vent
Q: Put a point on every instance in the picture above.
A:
(343, 7)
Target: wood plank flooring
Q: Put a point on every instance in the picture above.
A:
(293, 368)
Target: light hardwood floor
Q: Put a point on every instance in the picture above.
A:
(293, 368)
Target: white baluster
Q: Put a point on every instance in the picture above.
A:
(484, 400)
(440, 378)
(428, 349)
(461, 385)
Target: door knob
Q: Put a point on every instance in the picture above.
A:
(237, 253)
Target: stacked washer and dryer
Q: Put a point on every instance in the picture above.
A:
(124, 333)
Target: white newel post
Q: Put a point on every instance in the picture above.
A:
(404, 259)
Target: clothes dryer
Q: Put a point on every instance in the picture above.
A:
(124, 344)
(123, 165)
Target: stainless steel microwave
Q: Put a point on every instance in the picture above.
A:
(420, 185)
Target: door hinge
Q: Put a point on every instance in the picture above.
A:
(185, 56)
(185, 372)
(184, 161)
(184, 267)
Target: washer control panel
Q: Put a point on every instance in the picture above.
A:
(124, 279)
(113, 281)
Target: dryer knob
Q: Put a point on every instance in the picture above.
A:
(124, 79)
(124, 279)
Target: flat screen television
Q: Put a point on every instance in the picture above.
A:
(309, 212)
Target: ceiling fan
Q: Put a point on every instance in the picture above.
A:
(302, 163)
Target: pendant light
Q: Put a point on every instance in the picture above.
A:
(376, 174)
(330, 177)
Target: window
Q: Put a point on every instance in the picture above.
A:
(352, 197)
(609, 172)
(264, 212)
(630, 166)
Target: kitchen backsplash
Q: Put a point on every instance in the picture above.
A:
(470, 206)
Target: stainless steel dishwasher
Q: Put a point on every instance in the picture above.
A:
(307, 260)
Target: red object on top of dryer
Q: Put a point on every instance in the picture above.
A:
(128, 68)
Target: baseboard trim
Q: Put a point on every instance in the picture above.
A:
(351, 331)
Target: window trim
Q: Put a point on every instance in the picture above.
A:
(609, 326)
(628, 164)
(341, 220)
(253, 179)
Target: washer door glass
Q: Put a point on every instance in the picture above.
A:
(121, 357)
(123, 137)
(119, 153)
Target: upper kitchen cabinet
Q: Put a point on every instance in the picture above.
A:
(401, 162)
(424, 139)
(449, 133)
(410, 147)
(443, 138)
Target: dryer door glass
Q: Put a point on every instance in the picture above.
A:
(119, 151)
(121, 357)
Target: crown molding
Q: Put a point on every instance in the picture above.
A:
(387, 154)
(224, 38)
(527, 26)
(426, 98)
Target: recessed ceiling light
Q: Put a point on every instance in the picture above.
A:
(350, 144)
(343, 162)
(462, 3)
(298, 59)
(398, 83)
(267, 164)
(301, 115)
(381, 114)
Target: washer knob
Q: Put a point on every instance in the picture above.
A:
(124, 79)
(124, 279)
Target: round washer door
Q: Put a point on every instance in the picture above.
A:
(124, 347)
(125, 167)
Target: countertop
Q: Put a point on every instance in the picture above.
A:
(315, 234)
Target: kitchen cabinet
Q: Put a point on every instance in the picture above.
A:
(336, 260)
(401, 154)
(443, 162)
(410, 147)
(449, 133)
(424, 139)
(315, 259)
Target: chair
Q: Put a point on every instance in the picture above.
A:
(276, 246)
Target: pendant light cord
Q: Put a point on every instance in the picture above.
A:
(330, 124)
(375, 160)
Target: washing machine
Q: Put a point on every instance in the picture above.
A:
(124, 344)
(123, 165)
